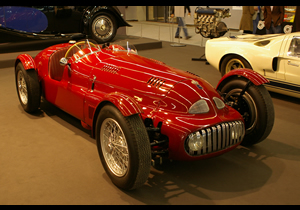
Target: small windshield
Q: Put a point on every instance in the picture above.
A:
(82, 48)
(121, 46)
(87, 47)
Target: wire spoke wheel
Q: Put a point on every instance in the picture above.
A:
(255, 106)
(124, 147)
(22, 88)
(28, 88)
(114, 147)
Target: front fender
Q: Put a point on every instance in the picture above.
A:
(26, 60)
(126, 104)
(256, 78)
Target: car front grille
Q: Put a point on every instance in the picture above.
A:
(216, 138)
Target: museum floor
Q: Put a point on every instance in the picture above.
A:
(48, 158)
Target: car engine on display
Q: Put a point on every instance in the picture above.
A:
(140, 109)
(208, 22)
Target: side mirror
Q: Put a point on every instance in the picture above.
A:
(63, 61)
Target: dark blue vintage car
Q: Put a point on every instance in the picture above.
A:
(100, 22)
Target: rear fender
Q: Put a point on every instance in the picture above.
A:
(27, 61)
(256, 78)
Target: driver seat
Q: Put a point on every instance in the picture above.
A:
(56, 70)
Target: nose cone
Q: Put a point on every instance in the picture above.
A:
(187, 93)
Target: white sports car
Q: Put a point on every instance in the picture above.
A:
(275, 56)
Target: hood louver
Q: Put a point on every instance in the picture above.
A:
(110, 68)
(156, 82)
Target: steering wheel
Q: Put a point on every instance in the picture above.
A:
(76, 45)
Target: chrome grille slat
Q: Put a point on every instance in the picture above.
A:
(214, 138)
(219, 132)
(209, 143)
(219, 137)
(204, 142)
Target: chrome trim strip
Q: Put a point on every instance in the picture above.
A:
(204, 142)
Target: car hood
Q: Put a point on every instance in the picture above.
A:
(172, 89)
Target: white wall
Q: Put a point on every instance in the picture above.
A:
(136, 13)
(139, 13)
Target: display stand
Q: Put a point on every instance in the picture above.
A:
(172, 37)
(200, 59)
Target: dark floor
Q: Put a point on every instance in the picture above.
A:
(48, 158)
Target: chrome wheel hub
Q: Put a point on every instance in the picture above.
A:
(102, 27)
(114, 147)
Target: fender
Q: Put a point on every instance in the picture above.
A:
(126, 104)
(256, 78)
(113, 10)
(27, 61)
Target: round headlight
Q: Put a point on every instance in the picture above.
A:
(200, 107)
(195, 142)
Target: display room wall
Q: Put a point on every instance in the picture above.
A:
(139, 13)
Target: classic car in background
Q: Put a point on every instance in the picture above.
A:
(100, 22)
(275, 56)
(141, 109)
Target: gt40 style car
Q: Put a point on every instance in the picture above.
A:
(101, 22)
(276, 56)
(139, 109)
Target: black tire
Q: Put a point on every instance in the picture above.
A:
(232, 62)
(28, 88)
(256, 107)
(128, 166)
(103, 33)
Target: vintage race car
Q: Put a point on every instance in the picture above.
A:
(141, 109)
(275, 56)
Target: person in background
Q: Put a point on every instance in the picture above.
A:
(258, 15)
(246, 21)
(180, 11)
(296, 24)
(273, 19)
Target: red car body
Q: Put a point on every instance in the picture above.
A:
(138, 85)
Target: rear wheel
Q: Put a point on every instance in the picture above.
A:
(103, 28)
(28, 88)
(233, 62)
(256, 107)
(124, 148)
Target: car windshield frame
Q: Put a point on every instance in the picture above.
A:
(88, 47)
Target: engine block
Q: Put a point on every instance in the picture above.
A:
(208, 21)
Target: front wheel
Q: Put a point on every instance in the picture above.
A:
(124, 148)
(256, 107)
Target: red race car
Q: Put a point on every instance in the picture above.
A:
(140, 109)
